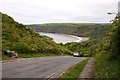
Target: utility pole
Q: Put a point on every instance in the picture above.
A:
(119, 8)
(110, 13)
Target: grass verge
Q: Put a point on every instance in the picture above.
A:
(107, 69)
(75, 71)
(4, 57)
(32, 55)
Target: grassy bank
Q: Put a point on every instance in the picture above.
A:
(17, 37)
(107, 53)
(31, 55)
(75, 71)
(107, 69)
(4, 57)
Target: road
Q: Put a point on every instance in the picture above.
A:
(43, 67)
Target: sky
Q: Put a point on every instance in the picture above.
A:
(59, 11)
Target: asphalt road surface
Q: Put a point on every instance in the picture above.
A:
(43, 67)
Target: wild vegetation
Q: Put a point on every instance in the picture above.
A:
(95, 31)
(107, 53)
(17, 37)
(105, 48)
(86, 48)
(91, 30)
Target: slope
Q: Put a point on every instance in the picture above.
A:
(107, 53)
(18, 38)
(91, 30)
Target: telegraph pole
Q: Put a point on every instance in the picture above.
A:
(110, 13)
(119, 8)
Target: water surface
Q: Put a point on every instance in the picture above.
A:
(62, 38)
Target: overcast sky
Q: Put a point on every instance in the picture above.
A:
(52, 11)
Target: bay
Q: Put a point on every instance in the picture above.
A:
(62, 38)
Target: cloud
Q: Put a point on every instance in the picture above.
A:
(47, 11)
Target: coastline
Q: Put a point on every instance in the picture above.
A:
(78, 39)
(85, 39)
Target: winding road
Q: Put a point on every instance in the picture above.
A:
(43, 67)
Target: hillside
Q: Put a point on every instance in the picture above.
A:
(17, 37)
(104, 50)
(91, 30)
(86, 48)
(107, 53)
